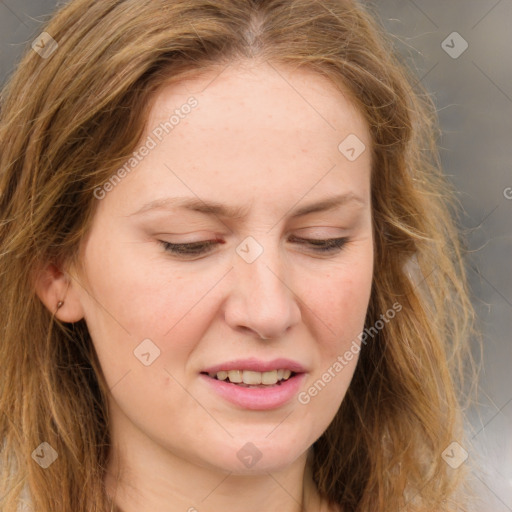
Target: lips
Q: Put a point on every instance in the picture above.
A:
(258, 385)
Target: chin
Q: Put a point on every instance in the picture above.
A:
(256, 457)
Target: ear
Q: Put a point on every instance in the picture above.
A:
(52, 286)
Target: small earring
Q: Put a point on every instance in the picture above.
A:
(60, 304)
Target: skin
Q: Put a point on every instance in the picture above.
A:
(253, 141)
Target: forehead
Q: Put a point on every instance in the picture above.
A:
(262, 131)
(260, 94)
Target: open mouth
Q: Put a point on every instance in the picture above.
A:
(252, 379)
(256, 390)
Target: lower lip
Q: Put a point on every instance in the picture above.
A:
(257, 399)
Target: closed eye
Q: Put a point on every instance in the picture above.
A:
(330, 245)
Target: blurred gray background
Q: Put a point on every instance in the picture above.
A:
(472, 89)
(460, 51)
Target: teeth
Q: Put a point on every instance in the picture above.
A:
(235, 376)
(222, 375)
(269, 378)
(252, 378)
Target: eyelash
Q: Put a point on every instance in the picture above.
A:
(327, 246)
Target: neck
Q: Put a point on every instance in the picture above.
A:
(144, 488)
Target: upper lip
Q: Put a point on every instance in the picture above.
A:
(257, 365)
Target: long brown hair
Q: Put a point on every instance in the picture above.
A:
(69, 119)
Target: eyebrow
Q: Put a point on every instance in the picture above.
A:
(239, 212)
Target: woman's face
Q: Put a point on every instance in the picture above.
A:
(262, 142)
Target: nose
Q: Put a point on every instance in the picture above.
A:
(262, 299)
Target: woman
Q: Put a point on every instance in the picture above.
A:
(231, 279)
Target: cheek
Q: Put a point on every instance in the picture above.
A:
(133, 287)
(326, 387)
(340, 300)
(131, 299)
